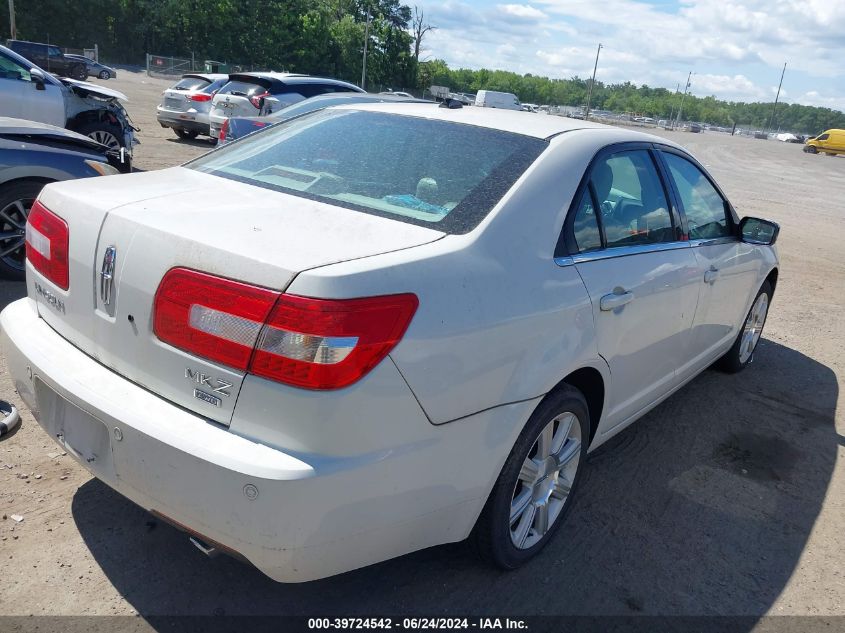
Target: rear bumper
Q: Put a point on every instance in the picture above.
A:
(191, 121)
(295, 517)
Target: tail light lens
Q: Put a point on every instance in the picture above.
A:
(256, 99)
(47, 237)
(208, 316)
(201, 96)
(224, 130)
(328, 344)
(300, 341)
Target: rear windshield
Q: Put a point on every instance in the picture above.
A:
(447, 176)
(191, 83)
(214, 86)
(242, 89)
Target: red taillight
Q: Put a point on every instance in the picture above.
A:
(224, 130)
(256, 99)
(201, 96)
(310, 343)
(47, 238)
(330, 343)
(215, 318)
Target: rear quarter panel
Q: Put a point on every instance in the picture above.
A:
(498, 321)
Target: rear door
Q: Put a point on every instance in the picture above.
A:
(640, 274)
(727, 267)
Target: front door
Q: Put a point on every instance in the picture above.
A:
(640, 275)
(727, 266)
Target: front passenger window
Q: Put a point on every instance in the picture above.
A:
(633, 204)
(10, 69)
(704, 208)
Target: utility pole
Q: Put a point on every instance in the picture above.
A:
(592, 83)
(14, 31)
(775, 107)
(672, 110)
(366, 41)
(684, 96)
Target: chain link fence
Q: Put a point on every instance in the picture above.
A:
(166, 67)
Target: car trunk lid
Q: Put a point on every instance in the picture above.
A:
(123, 242)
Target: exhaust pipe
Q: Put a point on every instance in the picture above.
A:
(205, 548)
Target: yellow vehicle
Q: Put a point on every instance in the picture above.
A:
(830, 142)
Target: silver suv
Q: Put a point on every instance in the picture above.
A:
(185, 105)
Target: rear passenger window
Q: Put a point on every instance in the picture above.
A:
(585, 226)
(704, 208)
(633, 204)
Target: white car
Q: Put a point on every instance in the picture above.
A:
(324, 345)
(185, 105)
(262, 93)
(28, 92)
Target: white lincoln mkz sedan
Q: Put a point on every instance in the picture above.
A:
(378, 328)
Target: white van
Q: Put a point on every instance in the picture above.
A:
(493, 99)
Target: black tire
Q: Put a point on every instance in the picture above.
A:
(79, 71)
(812, 150)
(492, 534)
(185, 135)
(735, 360)
(104, 132)
(15, 202)
(104, 74)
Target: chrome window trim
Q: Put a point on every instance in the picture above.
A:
(620, 251)
(710, 242)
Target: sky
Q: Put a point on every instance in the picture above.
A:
(735, 48)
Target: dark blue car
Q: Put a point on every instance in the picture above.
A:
(31, 155)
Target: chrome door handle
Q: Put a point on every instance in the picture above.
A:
(613, 300)
(711, 275)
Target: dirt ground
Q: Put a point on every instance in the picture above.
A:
(728, 499)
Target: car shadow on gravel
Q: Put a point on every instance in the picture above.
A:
(701, 508)
(203, 142)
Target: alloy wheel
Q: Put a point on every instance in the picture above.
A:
(753, 327)
(13, 232)
(545, 480)
(105, 138)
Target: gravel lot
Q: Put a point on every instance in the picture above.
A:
(728, 499)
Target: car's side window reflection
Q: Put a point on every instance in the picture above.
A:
(704, 208)
(632, 200)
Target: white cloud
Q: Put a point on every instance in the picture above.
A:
(522, 11)
(736, 47)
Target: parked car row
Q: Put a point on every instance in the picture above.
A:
(50, 57)
(200, 103)
(237, 127)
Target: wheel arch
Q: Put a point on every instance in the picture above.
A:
(91, 116)
(592, 384)
(772, 278)
(44, 180)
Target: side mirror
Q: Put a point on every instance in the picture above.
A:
(38, 78)
(757, 231)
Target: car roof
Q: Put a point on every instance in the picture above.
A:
(525, 123)
(212, 77)
(269, 79)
